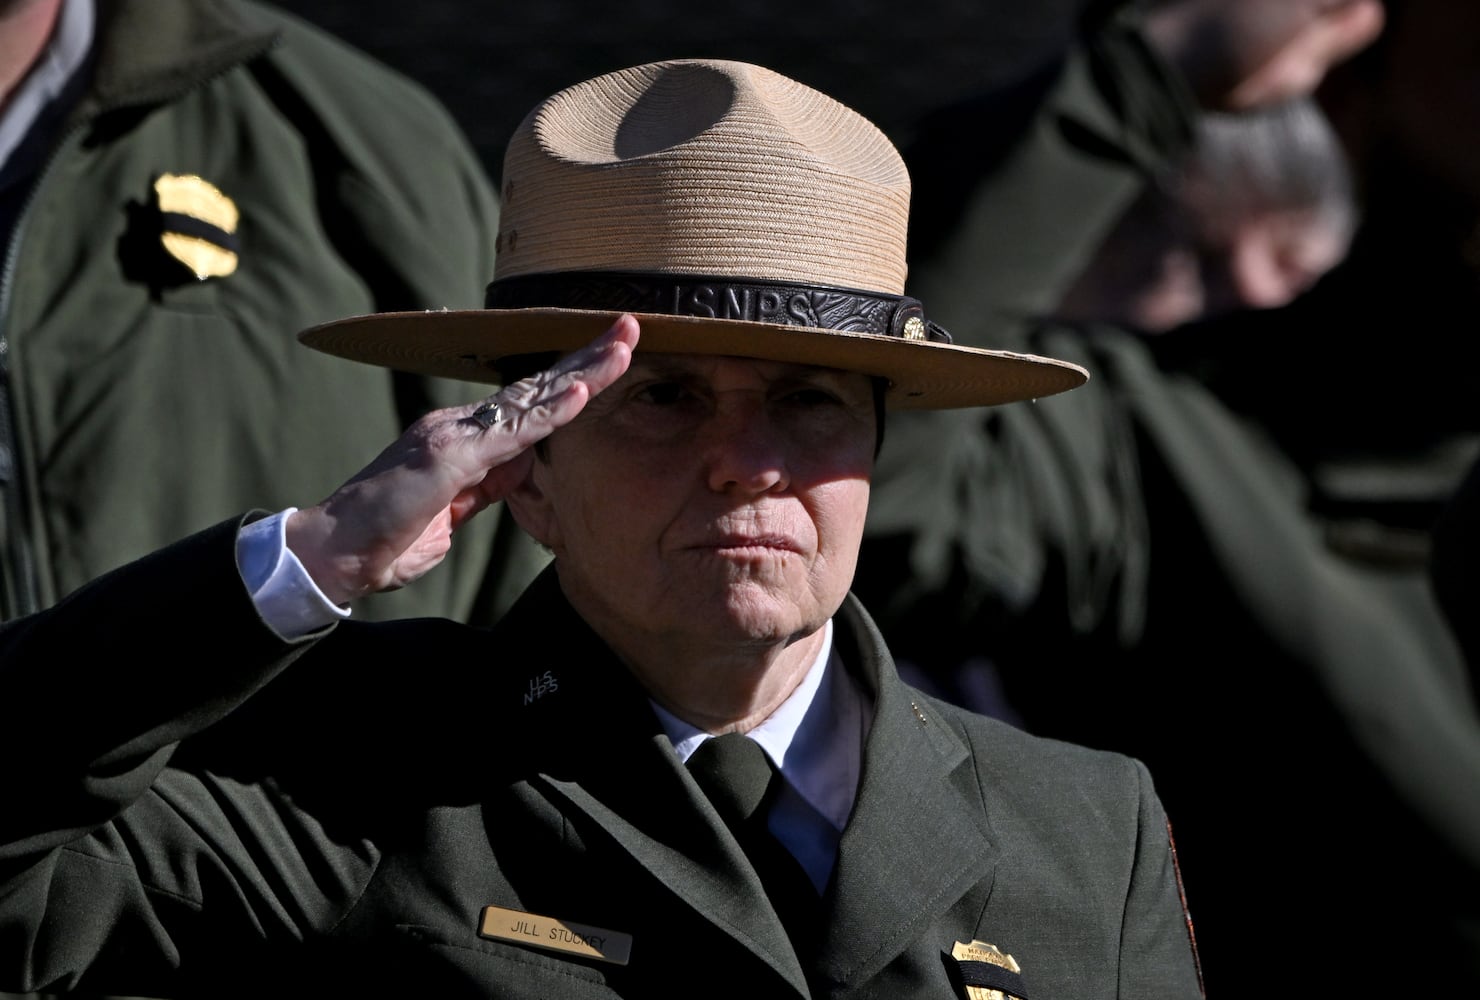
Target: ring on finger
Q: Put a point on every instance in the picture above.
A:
(486, 413)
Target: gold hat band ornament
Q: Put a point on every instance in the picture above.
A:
(735, 212)
(197, 224)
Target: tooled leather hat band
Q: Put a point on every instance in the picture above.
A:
(744, 299)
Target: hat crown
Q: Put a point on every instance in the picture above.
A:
(704, 167)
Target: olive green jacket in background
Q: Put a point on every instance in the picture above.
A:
(145, 404)
(1012, 195)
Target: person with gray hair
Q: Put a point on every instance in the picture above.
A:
(1251, 216)
(1139, 564)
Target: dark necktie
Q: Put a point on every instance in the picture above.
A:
(740, 780)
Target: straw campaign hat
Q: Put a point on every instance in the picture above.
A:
(734, 211)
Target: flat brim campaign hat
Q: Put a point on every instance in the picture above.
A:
(733, 211)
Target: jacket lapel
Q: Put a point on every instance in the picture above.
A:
(917, 841)
(618, 769)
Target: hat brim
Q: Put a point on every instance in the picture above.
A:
(468, 344)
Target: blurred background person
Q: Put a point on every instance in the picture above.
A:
(1394, 426)
(1260, 208)
(1190, 596)
(184, 184)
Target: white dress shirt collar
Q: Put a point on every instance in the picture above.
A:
(816, 740)
(63, 58)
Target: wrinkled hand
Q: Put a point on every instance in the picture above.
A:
(394, 520)
(1243, 54)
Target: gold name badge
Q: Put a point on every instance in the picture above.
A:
(980, 951)
(536, 931)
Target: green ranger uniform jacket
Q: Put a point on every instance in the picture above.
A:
(340, 812)
(145, 403)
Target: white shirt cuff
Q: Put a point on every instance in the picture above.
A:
(285, 595)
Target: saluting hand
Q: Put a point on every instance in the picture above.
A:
(394, 520)
(1238, 55)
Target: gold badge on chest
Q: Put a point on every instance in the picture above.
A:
(987, 973)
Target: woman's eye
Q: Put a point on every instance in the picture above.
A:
(811, 397)
(663, 393)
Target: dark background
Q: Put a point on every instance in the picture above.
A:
(889, 59)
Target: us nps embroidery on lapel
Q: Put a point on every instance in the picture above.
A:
(197, 224)
(535, 931)
(545, 683)
(987, 973)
